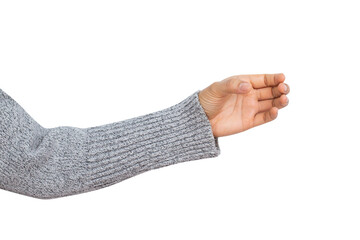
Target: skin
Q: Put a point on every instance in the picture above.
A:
(241, 102)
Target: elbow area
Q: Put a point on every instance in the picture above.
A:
(36, 161)
(47, 166)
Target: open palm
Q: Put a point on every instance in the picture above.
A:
(240, 102)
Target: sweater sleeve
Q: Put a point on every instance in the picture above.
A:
(56, 162)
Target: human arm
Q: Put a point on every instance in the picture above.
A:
(62, 161)
(56, 162)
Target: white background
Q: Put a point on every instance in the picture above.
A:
(87, 63)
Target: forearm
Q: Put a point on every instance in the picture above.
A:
(62, 161)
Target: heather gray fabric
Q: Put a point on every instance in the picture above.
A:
(56, 162)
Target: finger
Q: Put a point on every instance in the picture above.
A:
(272, 92)
(279, 102)
(264, 117)
(233, 85)
(266, 80)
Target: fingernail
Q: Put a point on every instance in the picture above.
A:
(287, 102)
(285, 87)
(244, 86)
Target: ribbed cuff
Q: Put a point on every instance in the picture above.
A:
(120, 150)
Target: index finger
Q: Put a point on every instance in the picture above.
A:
(266, 80)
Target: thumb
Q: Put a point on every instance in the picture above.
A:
(234, 86)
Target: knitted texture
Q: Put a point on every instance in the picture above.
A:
(56, 162)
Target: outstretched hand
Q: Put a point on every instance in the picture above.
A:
(240, 102)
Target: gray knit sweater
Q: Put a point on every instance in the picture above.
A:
(56, 162)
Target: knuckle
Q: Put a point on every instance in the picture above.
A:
(231, 83)
(274, 92)
(266, 80)
(265, 117)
